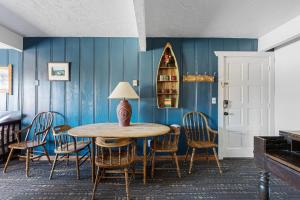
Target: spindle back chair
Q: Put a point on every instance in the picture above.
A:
(35, 137)
(199, 135)
(114, 153)
(167, 143)
(66, 145)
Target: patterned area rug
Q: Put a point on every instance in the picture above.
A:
(239, 181)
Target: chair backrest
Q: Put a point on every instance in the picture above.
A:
(169, 140)
(40, 127)
(196, 127)
(61, 139)
(114, 152)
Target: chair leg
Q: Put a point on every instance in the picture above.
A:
(217, 160)
(68, 159)
(53, 166)
(177, 165)
(28, 152)
(186, 154)
(153, 164)
(47, 155)
(77, 166)
(89, 150)
(191, 162)
(207, 155)
(98, 177)
(133, 170)
(127, 183)
(8, 159)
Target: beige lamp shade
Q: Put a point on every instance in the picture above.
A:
(123, 91)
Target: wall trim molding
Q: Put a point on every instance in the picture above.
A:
(242, 53)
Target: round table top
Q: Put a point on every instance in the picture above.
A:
(135, 130)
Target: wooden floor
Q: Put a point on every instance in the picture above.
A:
(239, 181)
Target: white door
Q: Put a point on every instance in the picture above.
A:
(247, 103)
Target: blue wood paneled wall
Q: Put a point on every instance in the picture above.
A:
(98, 64)
(11, 102)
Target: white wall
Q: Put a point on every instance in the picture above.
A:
(287, 87)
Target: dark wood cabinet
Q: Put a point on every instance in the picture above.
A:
(7, 136)
(278, 156)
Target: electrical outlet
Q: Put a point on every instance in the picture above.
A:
(214, 100)
(135, 82)
(36, 82)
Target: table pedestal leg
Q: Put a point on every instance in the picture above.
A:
(93, 159)
(264, 186)
(145, 160)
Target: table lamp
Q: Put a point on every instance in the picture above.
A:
(123, 91)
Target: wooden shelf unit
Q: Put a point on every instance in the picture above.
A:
(167, 80)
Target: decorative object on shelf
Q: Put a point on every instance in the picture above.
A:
(124, 91)
(58, 71)
(168, 59)
(199, 78)
(173, 78)
(168, 102)
(6, 79)
(164, 78)
(167, 79)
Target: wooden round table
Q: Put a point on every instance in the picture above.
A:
(135, 130)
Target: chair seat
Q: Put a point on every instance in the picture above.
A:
(202, 144)
(117, 160)
(26, 145)
(163, 147)
(70, 148)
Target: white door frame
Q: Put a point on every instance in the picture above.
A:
(221, 66)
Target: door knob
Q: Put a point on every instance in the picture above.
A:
(226, 113)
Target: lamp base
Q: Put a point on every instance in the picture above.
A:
(124, 113)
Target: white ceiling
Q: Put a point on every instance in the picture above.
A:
(217, 18)
(163, 18)
(69, 17)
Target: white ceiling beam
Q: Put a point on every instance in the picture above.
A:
(139, 10)
(280, 35)
(10, 39)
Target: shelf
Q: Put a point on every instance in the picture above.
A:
(167, 94)
(167, 81)
(198, 78)
(167, 107)
(168, 68)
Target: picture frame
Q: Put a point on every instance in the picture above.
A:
(59, 71)
(6, 79)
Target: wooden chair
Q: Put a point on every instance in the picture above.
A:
(199, 135)
(167, 143)
(114, 153)
(35, 138)
(65, 145)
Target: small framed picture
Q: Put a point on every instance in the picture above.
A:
(58, 71)
(6, 79)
